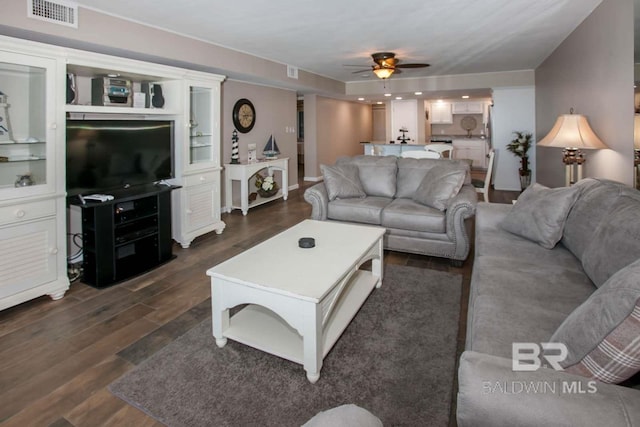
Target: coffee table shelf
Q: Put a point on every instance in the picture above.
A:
(261, 328)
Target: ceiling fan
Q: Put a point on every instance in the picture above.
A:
(386, 64)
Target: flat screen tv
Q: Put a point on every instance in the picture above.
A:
(105, 155)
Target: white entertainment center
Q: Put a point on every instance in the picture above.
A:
(37, 81)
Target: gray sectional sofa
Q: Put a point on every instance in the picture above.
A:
(400, 194)
(583, 293)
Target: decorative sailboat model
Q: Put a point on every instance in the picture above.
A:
(271, 150)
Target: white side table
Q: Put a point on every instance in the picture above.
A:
(243, 171)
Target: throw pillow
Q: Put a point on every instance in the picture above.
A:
(540, 213)
(616, 241)
(439, 185)
(342, 181)
(603, 334)
(377, 173)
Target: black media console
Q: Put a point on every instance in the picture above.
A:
(126, 236)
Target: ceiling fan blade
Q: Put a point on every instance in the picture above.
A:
(366, 70)
(412, 65)
(354, 65)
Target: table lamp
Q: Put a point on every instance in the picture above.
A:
(572, 133)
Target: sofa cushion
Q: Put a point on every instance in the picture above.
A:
(603, 334)
(511, 294)
(540, 213)
(440, 184)
(411, 172)
(377, 174)
(595, 200)
(342, 181)
(558, 287)
(406, 214)
(367, 210)
(492, 240)
(616, 241)
(499, 321)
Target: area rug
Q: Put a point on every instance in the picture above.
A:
(396, 359)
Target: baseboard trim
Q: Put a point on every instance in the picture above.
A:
(313, 178)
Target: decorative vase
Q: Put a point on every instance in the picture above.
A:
(525, 178)
(24, 180)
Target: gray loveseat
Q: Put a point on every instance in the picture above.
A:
(584, 293)
(390, 187)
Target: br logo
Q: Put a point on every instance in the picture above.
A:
(527, 356)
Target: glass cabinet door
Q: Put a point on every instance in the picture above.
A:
(201, 125)
(25, 139)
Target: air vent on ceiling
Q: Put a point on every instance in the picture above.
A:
(292, 72)
(58, 12)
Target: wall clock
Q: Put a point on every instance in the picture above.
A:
(244, 115)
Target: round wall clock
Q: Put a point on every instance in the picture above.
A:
(244, 115)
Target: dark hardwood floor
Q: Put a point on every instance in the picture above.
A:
(58, 357)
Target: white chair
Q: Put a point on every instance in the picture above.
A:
(441, 149)
(483, 186)
(420, 154)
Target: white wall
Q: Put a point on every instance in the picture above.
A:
(513, 110)
(591, 72)
(333, 128)
(404, 114)
(275, 115)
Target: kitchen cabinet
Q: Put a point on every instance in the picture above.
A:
(467, 108)
(471, 149)
(32, 220)
(441, 113)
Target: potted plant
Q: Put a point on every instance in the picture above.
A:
(520, 147)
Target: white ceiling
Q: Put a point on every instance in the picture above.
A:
(454, 36)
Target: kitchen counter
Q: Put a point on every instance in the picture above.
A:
(474, 149)
(385, 149)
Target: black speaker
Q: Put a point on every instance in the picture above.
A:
(71, 89)
(157, 100)
(153, 94)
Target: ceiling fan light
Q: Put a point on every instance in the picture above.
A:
(383, 73)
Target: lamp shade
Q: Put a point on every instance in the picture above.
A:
(383, 73)
(636, 131)
(572, 131)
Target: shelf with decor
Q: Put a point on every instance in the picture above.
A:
(101, 84)
(243, 172)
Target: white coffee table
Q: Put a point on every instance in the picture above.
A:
(299, 300)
